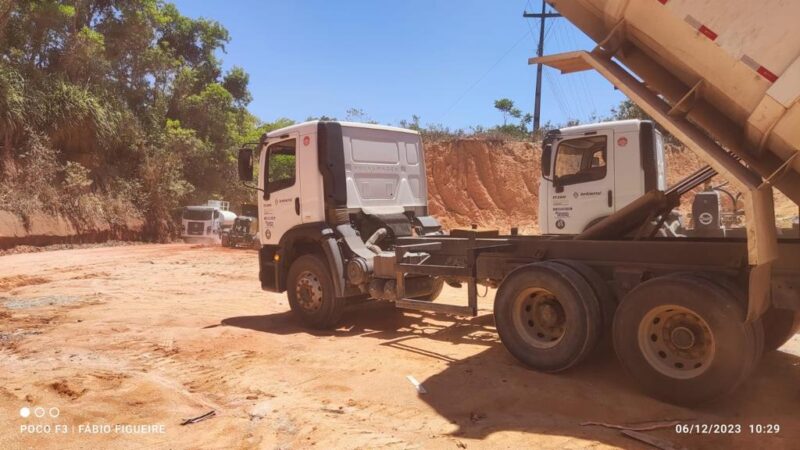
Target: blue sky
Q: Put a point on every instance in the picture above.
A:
(446, 61)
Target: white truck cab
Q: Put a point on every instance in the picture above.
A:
(591, 171)
(333, 198)
(348, 167)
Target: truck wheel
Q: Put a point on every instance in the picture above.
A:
(780, 325)
(684, 339)
(547, 316)
(438, 285)
(311, 294)
(225, 241)
(601, 289)
(738, 293)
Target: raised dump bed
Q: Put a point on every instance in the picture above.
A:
(732, 67)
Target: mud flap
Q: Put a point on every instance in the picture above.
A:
(759, 283)
(334, 258)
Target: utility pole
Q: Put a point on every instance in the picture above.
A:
(537, 109)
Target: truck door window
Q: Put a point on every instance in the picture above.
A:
(581, 160)
(281, 165)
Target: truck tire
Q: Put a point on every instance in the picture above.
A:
(311, 293)
(225, 240)
(438, 285)
(780, 325)
(740, 295)
(547, 316)
(684, 339)
(603, 292)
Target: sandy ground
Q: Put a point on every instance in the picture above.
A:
(154, 334)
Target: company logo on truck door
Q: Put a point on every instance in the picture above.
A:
(585, 194)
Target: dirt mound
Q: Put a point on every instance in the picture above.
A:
(491, 183)
(495, 184)
(41, 229)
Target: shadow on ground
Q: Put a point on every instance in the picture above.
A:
(514, 398)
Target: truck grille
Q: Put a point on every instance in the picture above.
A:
(195, 228)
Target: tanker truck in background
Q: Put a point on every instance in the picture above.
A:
(343, 215)
(206, 223)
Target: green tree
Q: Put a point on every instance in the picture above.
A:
(356, 114)
(507, 108)
(235, 82)
(412, 124)
(127, 94)
(627, 109)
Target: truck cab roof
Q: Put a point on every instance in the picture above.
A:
(312, 125)
(618, 125)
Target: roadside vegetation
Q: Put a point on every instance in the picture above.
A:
(116, 108)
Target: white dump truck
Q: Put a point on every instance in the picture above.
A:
(206, 223)
(343, 216)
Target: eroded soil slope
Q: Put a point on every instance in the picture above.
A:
(492, 183)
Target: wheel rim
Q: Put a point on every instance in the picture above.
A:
(309, 291)
(676, 341)
(539, 318)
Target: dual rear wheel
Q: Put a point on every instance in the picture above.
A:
(548, 316)
(683, 337)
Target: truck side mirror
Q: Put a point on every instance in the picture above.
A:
(246, 164)
(547, 160)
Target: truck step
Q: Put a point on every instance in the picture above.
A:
(421, 305)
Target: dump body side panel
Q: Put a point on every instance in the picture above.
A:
(743, 56)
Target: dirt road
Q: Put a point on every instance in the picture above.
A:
(154, 334)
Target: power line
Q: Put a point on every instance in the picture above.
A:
(555, 90)
(583, 77)
(543, 16)
(572, 94)
(464, 94)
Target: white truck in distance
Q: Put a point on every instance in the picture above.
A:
(206, 223)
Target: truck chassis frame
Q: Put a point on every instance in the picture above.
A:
(625, 263)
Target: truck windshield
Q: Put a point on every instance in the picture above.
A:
(197, 214)
(581, 160)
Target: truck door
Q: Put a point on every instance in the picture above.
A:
(280, 201)
(583, 183)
